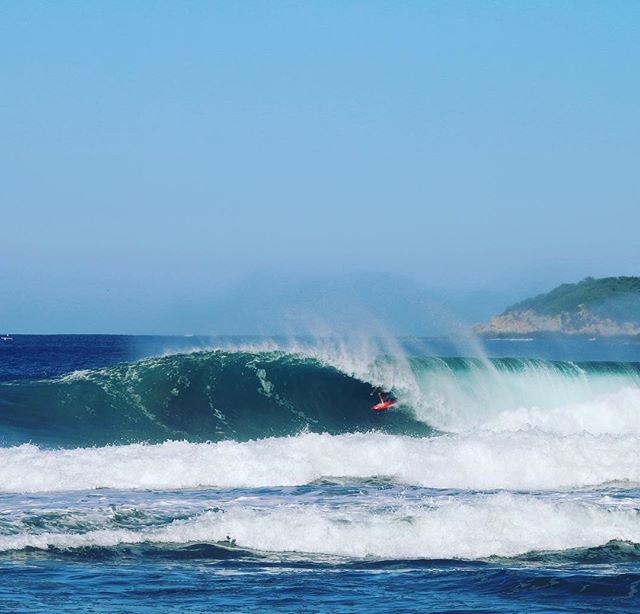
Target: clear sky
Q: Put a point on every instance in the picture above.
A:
(157, 156)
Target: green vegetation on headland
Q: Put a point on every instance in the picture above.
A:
(570, 298)
(594, 307)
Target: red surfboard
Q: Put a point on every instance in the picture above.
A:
(381, 406)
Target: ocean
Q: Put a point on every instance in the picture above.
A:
(192, 474)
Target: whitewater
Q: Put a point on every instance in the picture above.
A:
(264, 455)
(483, 460)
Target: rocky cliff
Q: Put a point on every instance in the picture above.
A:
(595, 307)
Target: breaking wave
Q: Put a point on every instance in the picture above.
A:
(243, 395)
(524, 460)
(201, 396)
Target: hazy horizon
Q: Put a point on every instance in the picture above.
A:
(168, 165)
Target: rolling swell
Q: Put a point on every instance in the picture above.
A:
(198, 397)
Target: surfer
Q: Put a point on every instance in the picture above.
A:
(382, 395)
(386, 399)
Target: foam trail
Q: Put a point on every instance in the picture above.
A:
(494, 525)
(483, 460)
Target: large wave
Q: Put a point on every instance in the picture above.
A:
(200, 396)
(210, 396)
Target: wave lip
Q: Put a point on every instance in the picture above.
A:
(526, 460)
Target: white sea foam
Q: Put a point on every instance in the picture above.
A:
(502, 524)
(481, 460)
(617, 413)
(538, 396)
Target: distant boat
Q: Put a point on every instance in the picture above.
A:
(6, 338)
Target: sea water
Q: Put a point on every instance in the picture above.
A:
(146, 474)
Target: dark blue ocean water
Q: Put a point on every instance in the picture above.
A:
(146, 474)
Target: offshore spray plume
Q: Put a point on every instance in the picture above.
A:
(364, 324)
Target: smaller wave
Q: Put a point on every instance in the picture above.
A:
(527, 460)
(615, 551)
(503, 524)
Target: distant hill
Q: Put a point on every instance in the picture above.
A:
(601, 307)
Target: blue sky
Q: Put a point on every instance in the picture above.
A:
(157, 156)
